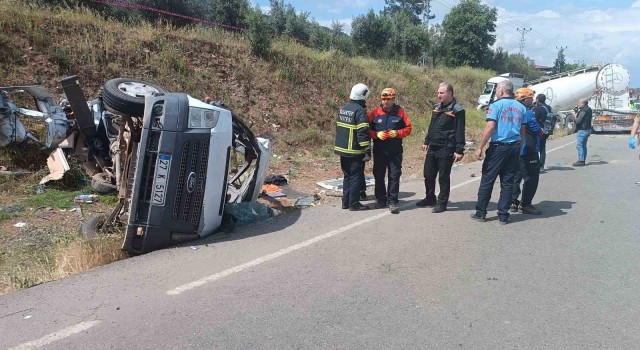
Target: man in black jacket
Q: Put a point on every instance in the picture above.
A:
(444, 144)
(352, 143)
(544, 117)
(583, 115)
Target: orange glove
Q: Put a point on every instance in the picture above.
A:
(383, 135)
(392, 134)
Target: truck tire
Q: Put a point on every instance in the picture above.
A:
(126, 95)
(101, 183)
(571, 124)
(91, 227)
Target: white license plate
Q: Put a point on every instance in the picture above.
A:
(160, 182)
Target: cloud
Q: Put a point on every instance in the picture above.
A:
(591, 36)
(549, 14)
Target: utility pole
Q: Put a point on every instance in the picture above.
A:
(560, 53)
(523, 31)
(426, 16)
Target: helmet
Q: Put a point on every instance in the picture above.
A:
(388, 94)
(524, 93)
(359, 92)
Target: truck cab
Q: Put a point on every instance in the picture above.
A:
(184, 171)
(488, 93)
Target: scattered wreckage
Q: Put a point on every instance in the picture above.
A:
(174, 160)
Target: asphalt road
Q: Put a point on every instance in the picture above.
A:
(329, 278)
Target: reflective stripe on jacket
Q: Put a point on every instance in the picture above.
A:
(352, 129)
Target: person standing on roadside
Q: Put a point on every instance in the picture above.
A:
(583, 116)
(444, 144)
(351, 144)
(545, 119)
(633, 138)
(388, 125)
(529, 168)
(504, 132)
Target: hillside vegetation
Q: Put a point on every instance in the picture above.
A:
(293, 94)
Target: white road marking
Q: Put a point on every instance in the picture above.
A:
(284, 251)
(55, 336)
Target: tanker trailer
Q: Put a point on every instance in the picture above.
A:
(605, 87)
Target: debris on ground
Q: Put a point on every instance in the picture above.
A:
(85, 198)
(20, 225)
(250, 212)
(279, 180)
(336, 184)
(304, 202)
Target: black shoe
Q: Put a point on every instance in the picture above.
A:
(531, 210)
(477, 217)
(426, 203)
(363, 196)
(515, 207)
(439, 209)
(358, 207)
(345, 206)
(579, 163)
(503, 221)
(393, 208)
(380, 205)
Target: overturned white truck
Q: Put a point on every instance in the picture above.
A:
(607, 88)
(174, 160)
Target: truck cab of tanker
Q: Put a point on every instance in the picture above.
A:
(489, 92)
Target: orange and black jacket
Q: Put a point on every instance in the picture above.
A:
(397, 120)
(447, 127)
(352, 130)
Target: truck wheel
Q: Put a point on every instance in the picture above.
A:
(91, 227)
(571, 125)
(126, 96)
(101, 183)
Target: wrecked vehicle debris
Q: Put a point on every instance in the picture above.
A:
(174, 160)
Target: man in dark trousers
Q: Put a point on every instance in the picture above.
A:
(388, 125)
(545, 119)
(529, 172)
(352, 142)
(444, 144)
(504, 133)
(583, 115)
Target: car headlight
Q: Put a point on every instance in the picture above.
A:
(201, 118)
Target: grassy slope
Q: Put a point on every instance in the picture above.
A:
(294, 95)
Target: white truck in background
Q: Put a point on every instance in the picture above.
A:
(607, 88)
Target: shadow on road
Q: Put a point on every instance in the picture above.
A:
(549, 209)
(557, 168)
(597, 162)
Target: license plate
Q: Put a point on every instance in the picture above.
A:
(160, 182)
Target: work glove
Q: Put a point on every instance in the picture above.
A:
(633, 142)
(392, 134)
(382, 135)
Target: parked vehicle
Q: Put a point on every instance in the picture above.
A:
(607, 88)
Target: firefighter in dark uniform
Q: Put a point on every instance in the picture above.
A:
(444, 144)
(352, 143)
(388, 125)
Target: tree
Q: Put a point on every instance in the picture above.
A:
(370, 33)
(230, 12)
(559, 64)
(258, 32)
(277, 15)
(411, 8)
(468, 29)
(408, 40)
(435, 46)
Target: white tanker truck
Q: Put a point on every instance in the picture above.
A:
(607, 89)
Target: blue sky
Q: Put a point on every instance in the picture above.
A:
(594, 31)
